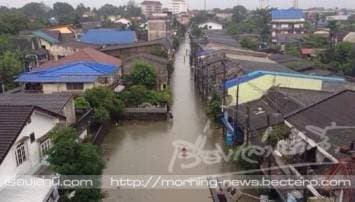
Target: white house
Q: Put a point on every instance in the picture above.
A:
(24, 143)
(211, 26)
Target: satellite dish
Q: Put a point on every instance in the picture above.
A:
(229, 100)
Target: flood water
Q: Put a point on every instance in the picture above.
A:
(145, 148)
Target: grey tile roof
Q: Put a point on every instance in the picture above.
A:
(12, 120)
(338, 109)
(51, 102)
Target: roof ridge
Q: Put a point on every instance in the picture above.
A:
(318, 102)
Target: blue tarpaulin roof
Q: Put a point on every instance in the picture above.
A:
(285, 14)
(108, 36)
(78, 72)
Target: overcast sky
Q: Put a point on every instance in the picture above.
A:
(251, 4)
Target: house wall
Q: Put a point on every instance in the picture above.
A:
(56, 51)
(256, 88)
(49, 88)
(161, 70)
(69, 112)
(157, 29)
(40, 125)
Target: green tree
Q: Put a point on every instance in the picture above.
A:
(101, 115)
(240, 13)
(249, 43)
(264, 23)
(12, 23)
(81, 103)
(64, 13)
(143, 74)
(105, 98)
(108, 9)
(10, 67)
(69, 157)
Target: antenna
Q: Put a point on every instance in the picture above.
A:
(263, 4)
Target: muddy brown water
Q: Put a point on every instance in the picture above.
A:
(145, 148)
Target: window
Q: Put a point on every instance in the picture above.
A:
(44, 147)
(20, 154)
(32, 137)
(75, 86)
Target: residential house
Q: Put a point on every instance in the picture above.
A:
(106, 37)
(160, 47)
(287, 24)
(73, 77)
(159, 26)
(24, 143)
(151, 7)
(160, 65)
(59, 44)
(325, 132)
(211, 26)
(86, 54)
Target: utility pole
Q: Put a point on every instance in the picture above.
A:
(205, 6)
(295, 3)
(248, 125)
(236, 112)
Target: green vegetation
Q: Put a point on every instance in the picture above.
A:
(142, 88)
(292, 50)
(314, 41)
(143, 74)
(105, 103)
(158, 51)
(341, 58)
(139, 94)
(214, 106)
(69, 157)
(81, 103)
(279, 132)
(10, 66)
(249, 43)
(254, 22)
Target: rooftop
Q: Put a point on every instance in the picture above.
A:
(78, 72)
(12, 121)
(87, 54)
(50, 102)
(287, 14)
(108, 36)
(256, 74)
(250, 66)
(332, 117)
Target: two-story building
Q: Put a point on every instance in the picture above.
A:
(287, 24)
(24, 143)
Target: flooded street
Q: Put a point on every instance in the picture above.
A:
(146, 148)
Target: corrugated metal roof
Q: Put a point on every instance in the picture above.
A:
(109, 36)
(292, 13)
(46, 36)
(73, 72)
(256, 74)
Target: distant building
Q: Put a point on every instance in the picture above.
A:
(224, 16)
(178, 6)
(338, 18)
(287, 24)
(159, 26)
(151, 7)
(211, 26)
